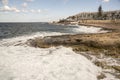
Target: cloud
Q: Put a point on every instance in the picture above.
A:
(65, 1)
(106, 0)
(32, 10)
(24, 10)
(14, 9)
(9, 9)
(29, 0)
(5, 2)
(39, 11)
(35, 11)
(24, 4)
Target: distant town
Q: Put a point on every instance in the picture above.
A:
(92, 17)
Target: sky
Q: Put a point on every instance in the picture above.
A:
(50, 10)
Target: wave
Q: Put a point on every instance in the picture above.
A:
(23, 39)
(73, 30)
(56, 63)
(85, 29)
(21, 62)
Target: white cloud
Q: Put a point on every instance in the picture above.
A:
(14, 9)
(24, 10)
(24, 4)
(9, 9)
(5, 2)
(29, 0)
(35, 11)
(6, 8)
(106, 0)
(39, 11)
(32, 10)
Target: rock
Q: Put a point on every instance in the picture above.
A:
(101, 76)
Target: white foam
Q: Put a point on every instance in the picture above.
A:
(28, 63)
(85, 29)
(24, 38)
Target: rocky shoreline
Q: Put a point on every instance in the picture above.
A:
(82, 42)
(103, 49)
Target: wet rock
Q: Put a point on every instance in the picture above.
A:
(101, 76)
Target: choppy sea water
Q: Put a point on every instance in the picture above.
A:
(22, 62)
(8, 30)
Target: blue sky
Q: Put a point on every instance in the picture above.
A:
(49, 10)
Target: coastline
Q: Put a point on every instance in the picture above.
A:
(113, 34)
(101, 46)
(105, 24)
(81, 42)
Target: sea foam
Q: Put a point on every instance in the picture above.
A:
(21, 62)
(85, 29)
(60, 63)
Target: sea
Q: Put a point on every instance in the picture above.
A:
(22, 62)
(9, 30)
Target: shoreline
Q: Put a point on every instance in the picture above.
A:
(96, 41)
(100, 46)
(105, 24)
(112, 32)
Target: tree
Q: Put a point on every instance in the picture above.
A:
(100, 12)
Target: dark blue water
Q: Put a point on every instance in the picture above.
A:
(8, 30)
